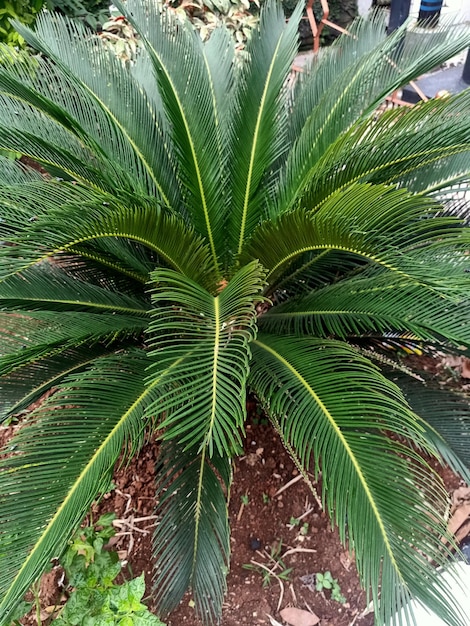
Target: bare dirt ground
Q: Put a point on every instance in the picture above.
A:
(272, 512)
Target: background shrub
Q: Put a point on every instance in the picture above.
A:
(23, 10)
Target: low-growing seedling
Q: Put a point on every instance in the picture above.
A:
(275, 567)
(94, 598)
(326, 581)
(91, 571)
(116, 605)
(265, 498)
(21, 610)
(294, 522)
(245, 499)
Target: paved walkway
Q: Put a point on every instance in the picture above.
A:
(457, 8)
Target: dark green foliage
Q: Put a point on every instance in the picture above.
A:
(342, 13)
(93, 12)
(210, 225)
(23, 10)
(91, 571)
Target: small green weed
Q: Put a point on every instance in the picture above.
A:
(95, 599)
(326, 581)
(266, 498)
(91, 571)
(245, 499)
(276, 567)
(294, 522)
(21, 610)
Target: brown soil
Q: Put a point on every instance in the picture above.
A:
(259, 527)
(274, 496)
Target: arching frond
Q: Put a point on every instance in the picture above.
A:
(414, 148)
(378, 224)
(115, 119)
(219, 56)
(322, 71)
(312, 270)
(84, 427)
(446, 414)
(23, 202)
(186, 83)
(29, 336)
(205, 339)
(48, 287)
(53, 148)
(191, 541)
(336, 407)
(375, 304)
(27, 383)
(71, 227)
(261, 121)
(362, 83)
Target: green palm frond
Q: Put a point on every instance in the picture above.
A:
(204, 340)
(122, 258)
(115, 118)
(335, 406)
(260, 126)
(40, 128)
(185, 81)
(312, 270)
(25, 384)
(29, 336)
(355, 93)
(22, 202)
(219, 56)
(48, 287)
(375, 304)
(415, 148)
(71, 227)
(371, 222)
(68, 158)
(84, 426)
(191, 541)
(325, 69)
(446, 414)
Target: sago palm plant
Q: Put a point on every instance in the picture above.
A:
(206, 225)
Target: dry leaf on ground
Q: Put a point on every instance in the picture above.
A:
(299, 617)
